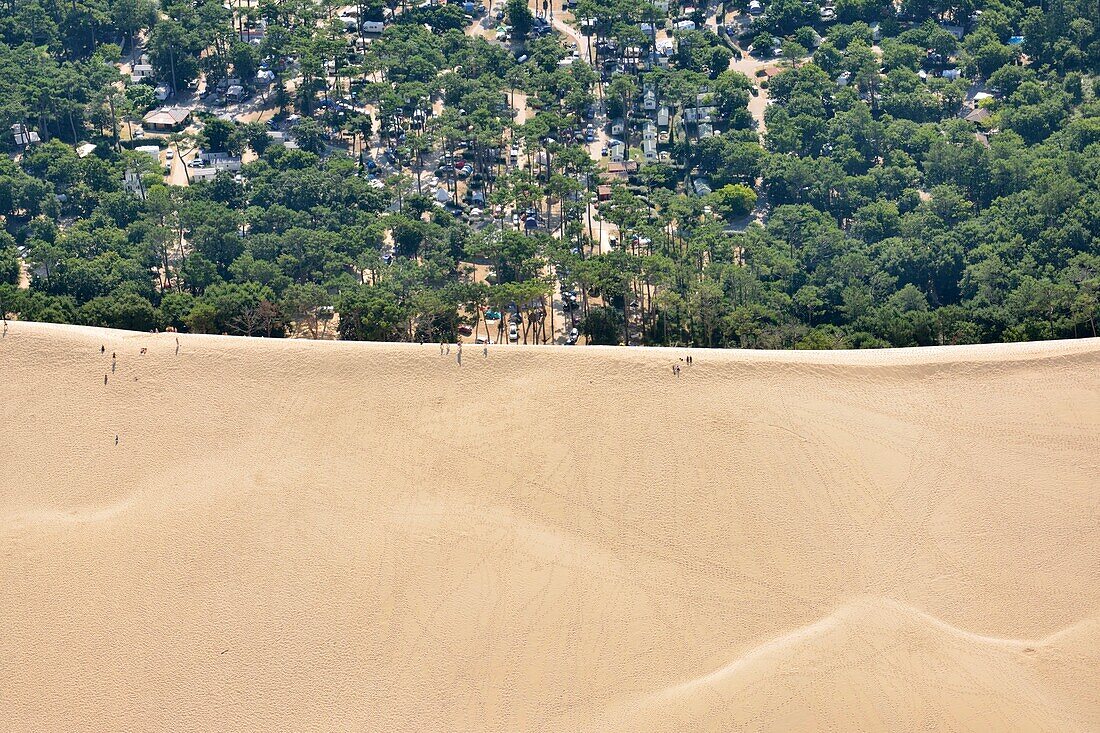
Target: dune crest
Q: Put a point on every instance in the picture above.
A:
(337, 536)
(907, 669)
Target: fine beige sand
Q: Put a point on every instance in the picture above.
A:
(295, 536)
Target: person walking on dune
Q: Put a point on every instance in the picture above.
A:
(116, 438)
(104, 380)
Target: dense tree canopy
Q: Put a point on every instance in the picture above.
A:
(880, 203)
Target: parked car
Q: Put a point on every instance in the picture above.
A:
(513, 332)
(492, 315)
(571, 339)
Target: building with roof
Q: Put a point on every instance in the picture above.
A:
(621, 169)
(978, 116)
(166, 119)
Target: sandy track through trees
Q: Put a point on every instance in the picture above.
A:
(305, 536)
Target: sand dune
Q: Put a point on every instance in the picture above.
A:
(315, 537)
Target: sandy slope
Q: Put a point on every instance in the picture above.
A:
(315, 537)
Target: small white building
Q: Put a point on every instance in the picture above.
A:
(151, 150)
(23, 136)
(696, 115)
(205, 173)
(131, 181)
(141, 72)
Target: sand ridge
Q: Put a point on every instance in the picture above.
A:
(301, 536)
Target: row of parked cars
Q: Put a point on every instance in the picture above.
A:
(514, 322)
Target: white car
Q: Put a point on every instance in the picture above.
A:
(168, 155)
(513, 332)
